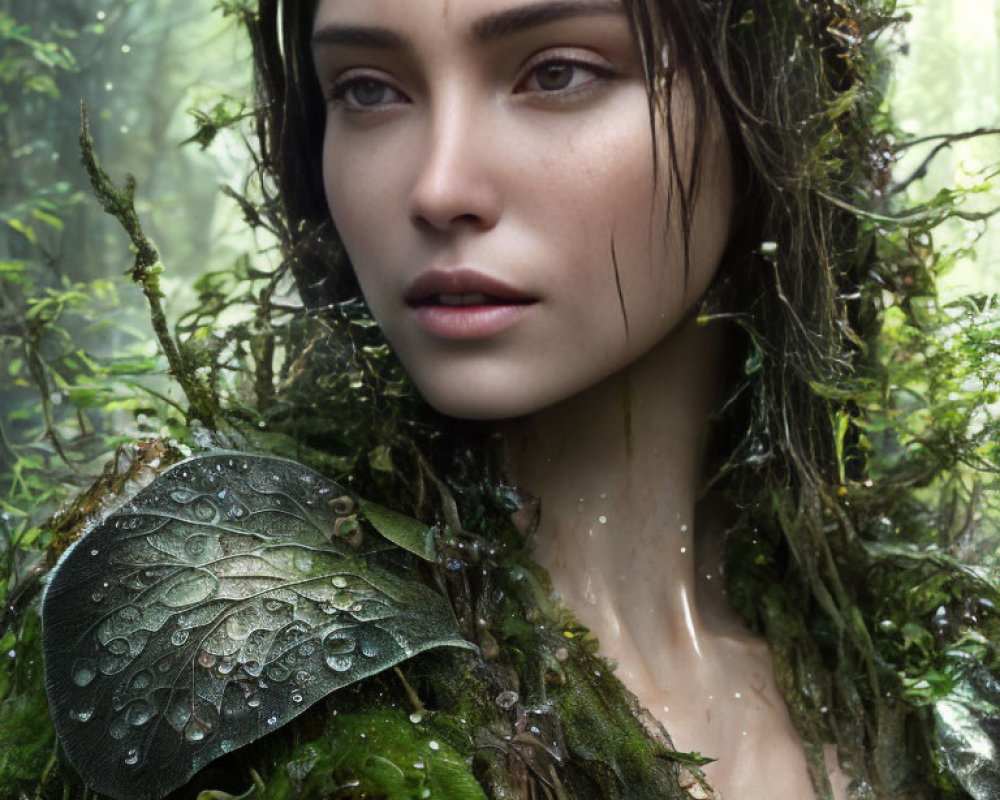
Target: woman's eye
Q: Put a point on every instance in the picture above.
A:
(561, 76)
(364, 94)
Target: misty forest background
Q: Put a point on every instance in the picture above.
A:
(79, 365)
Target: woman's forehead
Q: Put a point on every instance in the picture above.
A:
(484, 19)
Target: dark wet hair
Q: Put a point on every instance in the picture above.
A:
(797, 89)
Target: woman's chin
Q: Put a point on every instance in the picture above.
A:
(479, 409)
(482, 403)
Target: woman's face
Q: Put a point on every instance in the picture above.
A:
(489, 166)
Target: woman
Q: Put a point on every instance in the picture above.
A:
(536, 199)
(591, 228)
(559, 294)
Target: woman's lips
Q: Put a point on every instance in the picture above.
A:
(465, 304)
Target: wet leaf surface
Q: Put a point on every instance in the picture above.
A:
(226, 598)
(408, 533)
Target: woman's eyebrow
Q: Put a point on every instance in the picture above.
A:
(359, 36)
(521, 18)
(488, 28)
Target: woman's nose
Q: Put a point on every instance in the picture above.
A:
(457, 184)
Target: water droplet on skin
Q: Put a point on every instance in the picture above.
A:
(602, 519)
(737, 695)
(132, 757)
(666, 709)
(684, 528)
(683, 550)
(84, 672)
(506, 700)
(744, 733)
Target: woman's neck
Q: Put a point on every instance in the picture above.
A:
(618, 470)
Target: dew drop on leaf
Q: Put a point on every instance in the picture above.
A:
(194, 731)
(139, 713)
(84, 672)
(339, 663)
(206, 659)
(118, 646)
(117, 730)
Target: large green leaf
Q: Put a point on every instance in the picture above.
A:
(226, 598)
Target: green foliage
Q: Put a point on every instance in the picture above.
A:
(378, 755)
(29, 65)
(27, 739)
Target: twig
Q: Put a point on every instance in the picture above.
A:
(146, 270)
(950, 137)
(944, 141)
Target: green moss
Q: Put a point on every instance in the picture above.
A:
(381, 755)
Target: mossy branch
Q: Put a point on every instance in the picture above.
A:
(146, 271)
